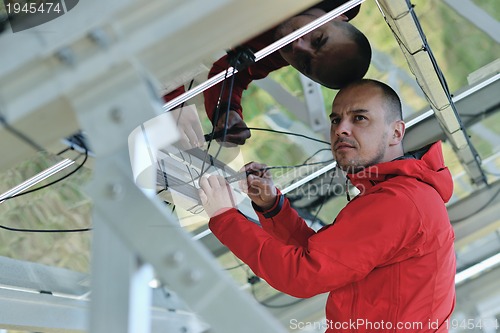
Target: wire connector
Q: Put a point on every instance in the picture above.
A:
(253, 279)
(240, 57)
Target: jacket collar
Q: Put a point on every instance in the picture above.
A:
(425, 164)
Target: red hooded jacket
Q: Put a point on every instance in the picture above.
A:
(387, 260)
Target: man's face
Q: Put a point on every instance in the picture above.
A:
(359, 131)
(314, 53)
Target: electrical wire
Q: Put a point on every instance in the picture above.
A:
(39, 188)
(253, 279)
(21, 136)
(226, 120)
(477, 210)
(240, 264)
(323, 200)
(444, 85)
(228, 109)
(45, 186)
(216, 119)
(51, 183)
(297, 166)
(45, 230)
(315, 153)
(491, 173)
(273, 306)
(234, 267)
(289, 133)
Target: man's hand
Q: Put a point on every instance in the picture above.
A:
(216, 195)
(234, 122)
(189, 126)
(259, 185)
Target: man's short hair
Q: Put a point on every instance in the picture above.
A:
(393, 102)
(353, 62)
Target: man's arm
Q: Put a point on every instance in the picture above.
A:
(242, 79)
(337, 255)
(292, 231)
(268, 201)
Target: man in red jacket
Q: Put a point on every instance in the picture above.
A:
(387, 260)
(333, 55)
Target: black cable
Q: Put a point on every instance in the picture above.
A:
(234, 267)
(491, 173)
(477, 210)
(64, 150)
(314, 154)
(232, 62)
(226, 120)
(45, 230)
(296, 166)
(21, 136)
(289, 133)
(444, 85)
(323, 200)
(273, 306)
(49, 184)
(39, 188)
(252, 280)
(53, 182)
(239, 264)
(189, 88)
(218, 134)
(215, 120)
(228, 109)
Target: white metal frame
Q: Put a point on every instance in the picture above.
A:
(110, 88)
(96, 62)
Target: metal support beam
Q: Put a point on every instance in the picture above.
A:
(316, 113)
(470, 215)
(35, 312)
(423, 128)
(477, 16)
(157, 239)
(41, 312)
(94, 37)
(121, 296)
(404, 24)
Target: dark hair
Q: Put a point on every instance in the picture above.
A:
(352, 62)
(392, 100)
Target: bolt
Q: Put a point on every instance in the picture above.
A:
(66, 56)
(100, 37)
(114, 191)
(175, 258)
(116, 115)
(194, 276)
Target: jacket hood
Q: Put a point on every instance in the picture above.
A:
(425, 165)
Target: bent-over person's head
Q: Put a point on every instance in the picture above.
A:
(333, 55)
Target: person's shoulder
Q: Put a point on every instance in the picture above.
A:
(394, 194)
